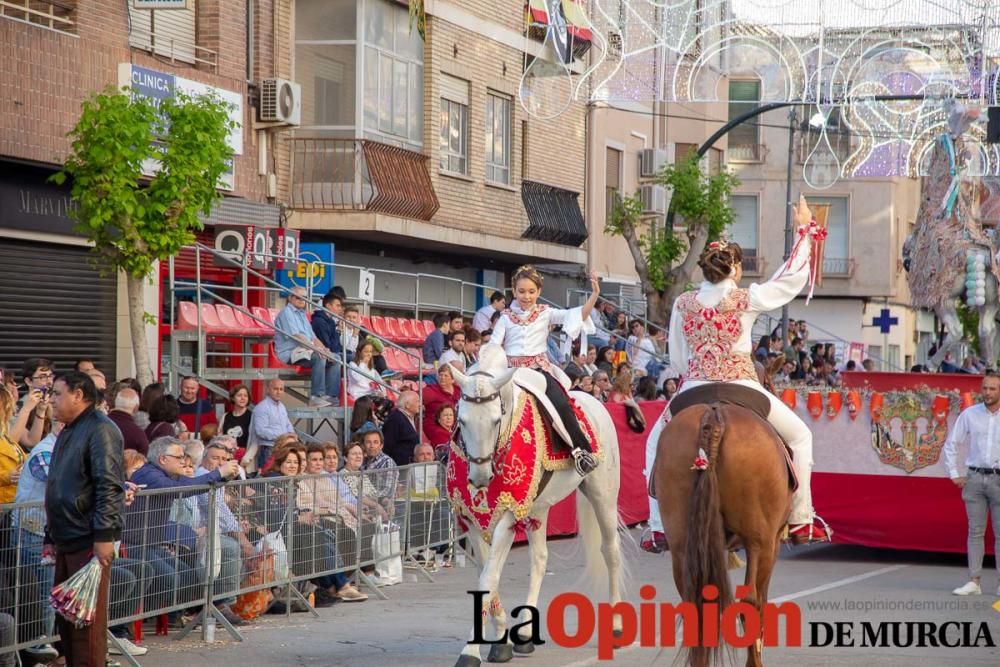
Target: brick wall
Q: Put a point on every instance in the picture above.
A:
(45, 75)
(555, 148)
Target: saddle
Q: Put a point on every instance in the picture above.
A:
(727, 393)
(533, 382)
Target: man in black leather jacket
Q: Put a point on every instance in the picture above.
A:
(85, 505)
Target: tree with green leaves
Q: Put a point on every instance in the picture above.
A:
(665, 259)
(134, 221)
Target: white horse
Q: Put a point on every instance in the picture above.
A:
(484, 412)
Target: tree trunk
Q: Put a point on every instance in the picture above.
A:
(137, 328)
(681, 274)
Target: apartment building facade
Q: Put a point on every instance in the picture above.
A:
(53, 55)
(868, 219)
(415, 155)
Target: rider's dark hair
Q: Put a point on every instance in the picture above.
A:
(717, 260)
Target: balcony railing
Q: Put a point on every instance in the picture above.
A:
(752, 264)
(361, 175)
(174, 49)
(838, 267)
(50, 14)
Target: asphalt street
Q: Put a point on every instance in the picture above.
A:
(426, 624)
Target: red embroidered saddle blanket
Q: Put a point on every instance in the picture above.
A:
(531, 449)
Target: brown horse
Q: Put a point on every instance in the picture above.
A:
(743, 494)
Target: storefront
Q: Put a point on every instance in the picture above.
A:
(53, 302)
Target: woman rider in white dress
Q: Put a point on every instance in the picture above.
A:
(523, 332)
(710, 341)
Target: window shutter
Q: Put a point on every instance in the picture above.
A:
(168, 32)
(744, 91)
(454, 89)
(614, 169)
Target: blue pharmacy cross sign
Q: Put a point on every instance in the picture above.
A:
(884, 322)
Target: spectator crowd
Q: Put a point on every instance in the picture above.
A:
(264, 481)
(161, 451)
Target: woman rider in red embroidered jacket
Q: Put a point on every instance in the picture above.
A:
(710, 341)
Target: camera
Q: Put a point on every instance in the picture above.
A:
(381, 407)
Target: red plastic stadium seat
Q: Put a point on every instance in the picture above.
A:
(187, 315)
(417, 328)
(405, 331)
(274, 313)
(366, 322)
(378, 326)
(394, 359)
(392, 329)
(228, 318)
(429, 327)
(262, 313)
(274, 362)
(212, 321)
(250, 325)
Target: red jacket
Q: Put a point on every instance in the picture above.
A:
(434, 398)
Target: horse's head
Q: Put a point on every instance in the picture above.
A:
(481, 413)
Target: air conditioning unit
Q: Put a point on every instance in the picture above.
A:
(654, 199)
(281, 101)
(651, 162)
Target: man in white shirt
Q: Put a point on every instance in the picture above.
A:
(455, 354)
(979, 426)
(270, 420)
(483, 319)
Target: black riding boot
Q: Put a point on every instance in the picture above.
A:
(583, 458)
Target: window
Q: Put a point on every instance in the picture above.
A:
(875, 354)
(744, 229)
(326, 55)
(744, 140)
(838, 134)
(394, 75)
(612, 181)
(836, 253)
(498, 139)
(170, 33)
(454, 125)
(682, 151)
(326, 72)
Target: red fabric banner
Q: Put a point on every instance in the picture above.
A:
(884, 511)
(894, 512)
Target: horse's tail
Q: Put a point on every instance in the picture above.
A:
(705, 546)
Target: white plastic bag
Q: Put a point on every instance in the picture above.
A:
(275, 544)
(388, 554)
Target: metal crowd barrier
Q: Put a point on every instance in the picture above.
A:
(187, 553)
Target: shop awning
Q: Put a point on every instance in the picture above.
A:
(572, 10)
(554, 214)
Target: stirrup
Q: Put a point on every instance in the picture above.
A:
(809, 536)
(583, 461)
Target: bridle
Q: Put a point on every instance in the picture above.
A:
(480, 400)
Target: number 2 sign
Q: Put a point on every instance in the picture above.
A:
(366, 286)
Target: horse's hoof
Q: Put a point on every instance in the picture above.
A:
(468, 661)
(524, 649)
(501, 653)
